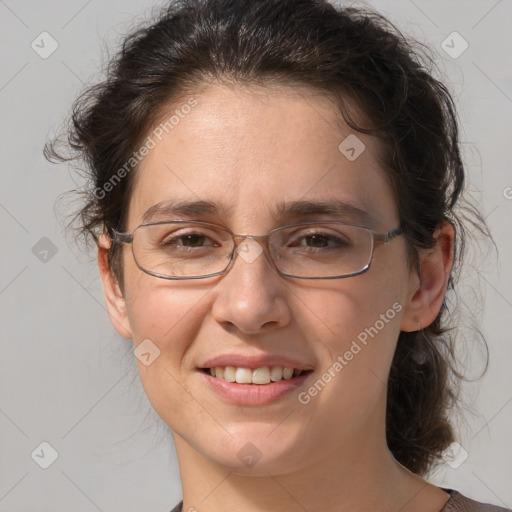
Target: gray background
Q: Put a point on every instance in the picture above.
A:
(67, 378)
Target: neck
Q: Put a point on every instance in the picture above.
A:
(361, 475)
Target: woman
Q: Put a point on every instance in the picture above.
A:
(305, 365)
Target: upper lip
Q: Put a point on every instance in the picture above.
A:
(246, 361)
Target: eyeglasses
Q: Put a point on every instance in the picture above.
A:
(184, 249)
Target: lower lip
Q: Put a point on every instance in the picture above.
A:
(254, 394)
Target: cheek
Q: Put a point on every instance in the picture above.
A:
(165, 319)
(360, 324)
(350, 305)
(166, 312)
(156, 307)
(354, 325)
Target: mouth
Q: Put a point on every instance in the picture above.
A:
(256, 376)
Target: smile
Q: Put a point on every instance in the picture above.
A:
(254, 386)
(259, 376)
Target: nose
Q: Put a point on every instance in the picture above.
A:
(251, 296)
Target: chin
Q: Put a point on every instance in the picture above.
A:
(258, 450)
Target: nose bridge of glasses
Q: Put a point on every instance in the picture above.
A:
(250, 247)
(261, 239)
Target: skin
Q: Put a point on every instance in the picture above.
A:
(250, 148)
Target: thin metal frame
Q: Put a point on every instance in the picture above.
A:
(377, 239)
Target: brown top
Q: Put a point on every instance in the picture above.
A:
(459, 503)
(456, 503)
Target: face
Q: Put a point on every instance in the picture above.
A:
(248, 150)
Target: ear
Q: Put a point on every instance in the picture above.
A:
(428, 287)
(114, 299)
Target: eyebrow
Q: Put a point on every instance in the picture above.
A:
(283, 211)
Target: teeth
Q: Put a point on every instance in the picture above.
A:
(276, 373)
(287, 373)
(243, 375)
(229, 373)
(263, 375)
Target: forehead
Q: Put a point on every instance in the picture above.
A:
(256, 155)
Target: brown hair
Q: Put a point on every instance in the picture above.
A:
(349, 54)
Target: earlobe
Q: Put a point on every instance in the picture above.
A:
(429, 285)
(114, 299)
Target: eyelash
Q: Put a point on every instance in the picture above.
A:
(340, 243)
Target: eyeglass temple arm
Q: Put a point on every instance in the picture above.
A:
(116, 236)
(386, 237)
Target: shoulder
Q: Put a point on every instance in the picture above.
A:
(178, 507)
(460, 503)
(456, 503)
